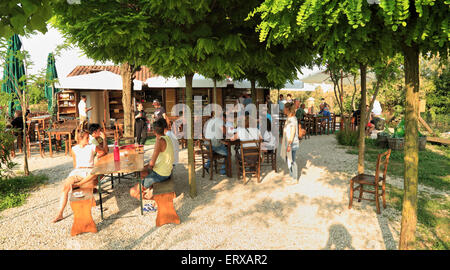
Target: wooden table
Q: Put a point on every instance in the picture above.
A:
(58, 131)
(131, 161)
(41, 119)
(229, 143)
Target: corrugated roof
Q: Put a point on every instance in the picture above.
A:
(141, 75)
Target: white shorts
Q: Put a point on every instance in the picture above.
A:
(82, 172)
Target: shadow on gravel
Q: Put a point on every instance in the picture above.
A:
(338, 238)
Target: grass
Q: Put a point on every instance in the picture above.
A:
(433, 211)
(434, 163)
(433, 219)
(14, 191)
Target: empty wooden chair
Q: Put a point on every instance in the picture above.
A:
(372, 180)
(38, 142)
(248, 160)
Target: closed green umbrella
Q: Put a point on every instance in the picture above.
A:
(49, 87)
(13, 71)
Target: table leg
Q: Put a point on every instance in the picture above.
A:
(70, 143)
(50, 143)
(100, 196)
(140, 193)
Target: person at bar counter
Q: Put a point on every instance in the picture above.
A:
(160, 166)
(160, 112)
(140, 124)
(83, 111)
(83, 162)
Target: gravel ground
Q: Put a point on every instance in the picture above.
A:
(277, 213)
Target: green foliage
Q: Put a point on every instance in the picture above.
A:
(7, 144)
(21, 16)
(439, 99)
(347, 137)
(14, 191)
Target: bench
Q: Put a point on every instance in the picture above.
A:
(82, 217)
(163, 195)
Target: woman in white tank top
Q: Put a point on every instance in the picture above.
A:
(83, 161)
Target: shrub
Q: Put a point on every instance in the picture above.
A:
(7, 144)
(347, 137)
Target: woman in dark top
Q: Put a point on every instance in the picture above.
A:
(141, 124)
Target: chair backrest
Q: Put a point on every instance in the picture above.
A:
(383, 159)
(249, 152)
(206, 148)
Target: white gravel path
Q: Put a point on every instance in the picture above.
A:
(275, 214)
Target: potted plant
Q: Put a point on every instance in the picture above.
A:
(397, 141)
(382, 137)
(422, 141)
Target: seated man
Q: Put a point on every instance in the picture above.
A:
(96, 137)
(160, 166)
(83, 161)
(215, 131)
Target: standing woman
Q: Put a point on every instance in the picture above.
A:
(141, 124)
(290, 142)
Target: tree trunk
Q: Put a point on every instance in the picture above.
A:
(24, 135)
(215, 91)
(190, 141)
(409, 208)
(127, 101)
(362, 124)
(253, 91)
(354, 91)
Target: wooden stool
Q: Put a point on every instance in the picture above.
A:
(163, 194)
(81, 207)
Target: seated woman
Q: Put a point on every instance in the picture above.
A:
(83, 161)
(247, 133)
(160, 166)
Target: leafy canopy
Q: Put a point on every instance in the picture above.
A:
(21, 16)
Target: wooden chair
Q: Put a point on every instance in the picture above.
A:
(308, 121)
(372, 180)
(109, 133)
(38, 142)
(208, 154)
(269, 157)
(244, 160)
(119, 131)
(333, 123)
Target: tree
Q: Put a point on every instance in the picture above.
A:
(341, 32)
(408, 27)
(112, 32)
(21, 16)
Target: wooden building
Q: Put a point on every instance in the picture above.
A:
(102, 85)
